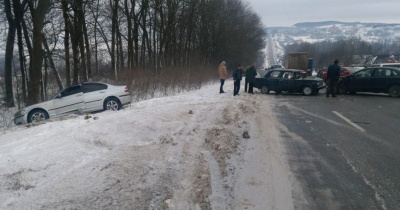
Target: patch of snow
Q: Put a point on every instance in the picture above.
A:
(180, 152)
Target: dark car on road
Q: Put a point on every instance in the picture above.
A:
(373, 79)
(290, 80)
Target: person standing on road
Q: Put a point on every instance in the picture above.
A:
(246, 82)
(251, 77)
(237, 77)
(332, 78)
(223, 74)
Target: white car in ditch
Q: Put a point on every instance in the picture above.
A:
(82, 98)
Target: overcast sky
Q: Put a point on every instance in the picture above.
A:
(290, 12)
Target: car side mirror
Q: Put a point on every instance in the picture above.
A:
(58, 95)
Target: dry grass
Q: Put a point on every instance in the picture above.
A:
(145, 84)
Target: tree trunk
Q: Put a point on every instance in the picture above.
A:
(136, 38)
(121, 52)
(128, 14)
(19, 19)
(88, 54)
(35, 69)
(79, 29)
(67, 24)
(9, 54)
(113, 35)
(95, 38)
(76, 32)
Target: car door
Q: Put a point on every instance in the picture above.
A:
(286, 82)
(380, 79)
(69, 101)
(93, 94)
(360, 81)
(273, 80)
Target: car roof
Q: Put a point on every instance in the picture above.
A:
(386, 67)
(375, 64)
(94, 83)
(396, 65)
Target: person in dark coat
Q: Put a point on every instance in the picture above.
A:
(332, 78)
(251, 77)
(246, 82)
(237, 77)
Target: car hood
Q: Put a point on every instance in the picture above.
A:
(313, 79)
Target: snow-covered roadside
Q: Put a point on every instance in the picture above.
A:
(180, 152)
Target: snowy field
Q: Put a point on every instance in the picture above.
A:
(189, 151)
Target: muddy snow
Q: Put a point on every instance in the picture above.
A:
(196, 150)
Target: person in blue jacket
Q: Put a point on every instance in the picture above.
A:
(237, 77)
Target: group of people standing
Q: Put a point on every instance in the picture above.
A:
(250, 78)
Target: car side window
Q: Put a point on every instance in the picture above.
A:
(71, 90)
(91, 87)
(381, 72)
(394, 73)
(364, 73)
(274, 74)
(287, 75)
(297, 75)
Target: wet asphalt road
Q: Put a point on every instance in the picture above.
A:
(344, 151)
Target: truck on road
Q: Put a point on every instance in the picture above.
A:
(299, 60)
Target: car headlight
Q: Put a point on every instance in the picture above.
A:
(20, 113)
(320, 83)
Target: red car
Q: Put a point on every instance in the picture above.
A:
(344, 72)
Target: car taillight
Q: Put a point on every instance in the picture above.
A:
(126, 90)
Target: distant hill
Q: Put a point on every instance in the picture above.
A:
(335, 30)
(327, 23)
(317, 24)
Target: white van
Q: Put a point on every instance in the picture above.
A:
(396, 65)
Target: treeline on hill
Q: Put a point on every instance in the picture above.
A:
(348, 52)
(150, 45)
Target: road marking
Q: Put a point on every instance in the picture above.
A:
(348, 121)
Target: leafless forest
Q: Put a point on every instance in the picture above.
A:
(150, 45)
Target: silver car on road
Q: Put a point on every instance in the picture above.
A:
(82, 98)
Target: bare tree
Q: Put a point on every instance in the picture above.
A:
(19, 12)
(9, 99)
(35, 69)
(67, 26)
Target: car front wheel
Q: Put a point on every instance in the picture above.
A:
(307, 91)
(112, 104)
(37, 116)
(265, 90)
(394, 91)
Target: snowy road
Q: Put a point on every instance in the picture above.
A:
(344, 150)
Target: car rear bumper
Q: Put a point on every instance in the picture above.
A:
(125, 99)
